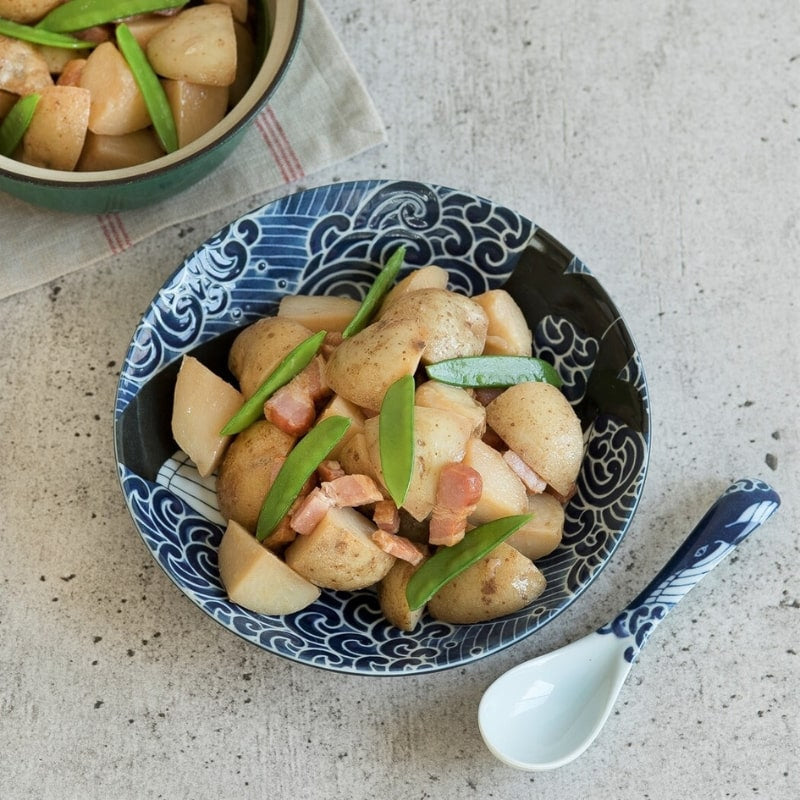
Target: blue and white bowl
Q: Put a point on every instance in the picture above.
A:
(332, 240)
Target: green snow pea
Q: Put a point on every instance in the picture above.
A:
(492, 371)
(303, 459)
(448, 562)
(293, 363)
(79, 14)
(39, 36)
(380, 286)
(16, 123)
(152, 91)
(396, 437)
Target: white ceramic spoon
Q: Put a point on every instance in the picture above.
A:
(546, 712)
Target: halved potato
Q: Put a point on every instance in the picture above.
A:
(26, 11)
(543, 533)
(115, 152)
(196, 108)
(145, 26)
(319, 312)
(202, 405)
(503, 492)
(339, 553)
(453, 399)
(339, 407)
(55, 57)
(55, 136)
(365, 365)
(257, 579)
(117, 104)
(508, 332)
(502, 582)
(456, 325)
(23, 69)
(198, 45)
(392, 596)
(238, 8)
(430, 277)
(537, 421)
(248, 469)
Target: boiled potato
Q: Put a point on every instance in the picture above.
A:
(203, 403)
(440, 437)
(260, 347)
(540, 536)
(55, 136)
(196, 108)
(117, 104)
(55, 57)
(392, 597)
(339, 553)
(71, 72)
(339, 407)
(503, 493)
(145, 26)
(354, 456)
(115, 152)
(198, 45)
(537, 421)
(238, 8)
(319, 312)
(430, 277)
(7, 102)
(456, 325)
(257, 579)
(23, 69)
(502, 582)
(365, 365)
(508, 331)
(248, 469)
(26, 11)
(453, 399)
(246, 58)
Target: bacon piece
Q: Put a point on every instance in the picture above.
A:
(292, 408)
(386, 516)
(310, 511)
(486, 395)
(533, 481)
(328, 470)
(352, 490)
(458, 491)
(397, 546)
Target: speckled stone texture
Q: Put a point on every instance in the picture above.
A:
(661, 142)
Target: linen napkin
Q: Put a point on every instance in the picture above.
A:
(321, 114)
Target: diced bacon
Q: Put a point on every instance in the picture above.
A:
(352, 490)
(485, 396)
(386, 516)
(292, 408)
(328, 470)
(397, 546)
(533, 481)
(458, 491)
(310, 511)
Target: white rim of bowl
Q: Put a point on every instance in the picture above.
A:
(285, 33)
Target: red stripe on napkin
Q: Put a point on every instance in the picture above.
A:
(279, 146)
(115, 233)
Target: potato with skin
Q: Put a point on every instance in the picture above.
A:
(116, 152)
(23, 69)
(542, 534)
(319, 312)
(365, 365)
(456, 325)
(339, 407)
(26, 11)
(118, 106)
(257, 579)
(54, 139)
(503, 494)
(502, 582)
(508, 332)
(238, 8)
(453, 399)
(198, 45)
(430, 277)
(260, 347)
(196, 108)
(203, 403)
(248, 469)
(339, 553)
(537, 421)
(392, 596)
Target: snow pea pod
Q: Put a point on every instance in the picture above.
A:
(16, 123)
(76, 15)
(492, 371)
(303, 459)
(152, 91)
(295, 361)
(396, 437)
(29, 33)
(448, 562)
(380, 286)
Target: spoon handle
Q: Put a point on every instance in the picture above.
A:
(742, 508)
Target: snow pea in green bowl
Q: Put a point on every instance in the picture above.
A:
(275, 27)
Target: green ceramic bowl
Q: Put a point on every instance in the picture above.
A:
(119, 189)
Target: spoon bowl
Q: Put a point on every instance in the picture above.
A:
(545, 712)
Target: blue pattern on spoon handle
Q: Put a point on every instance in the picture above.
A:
(736, 514)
